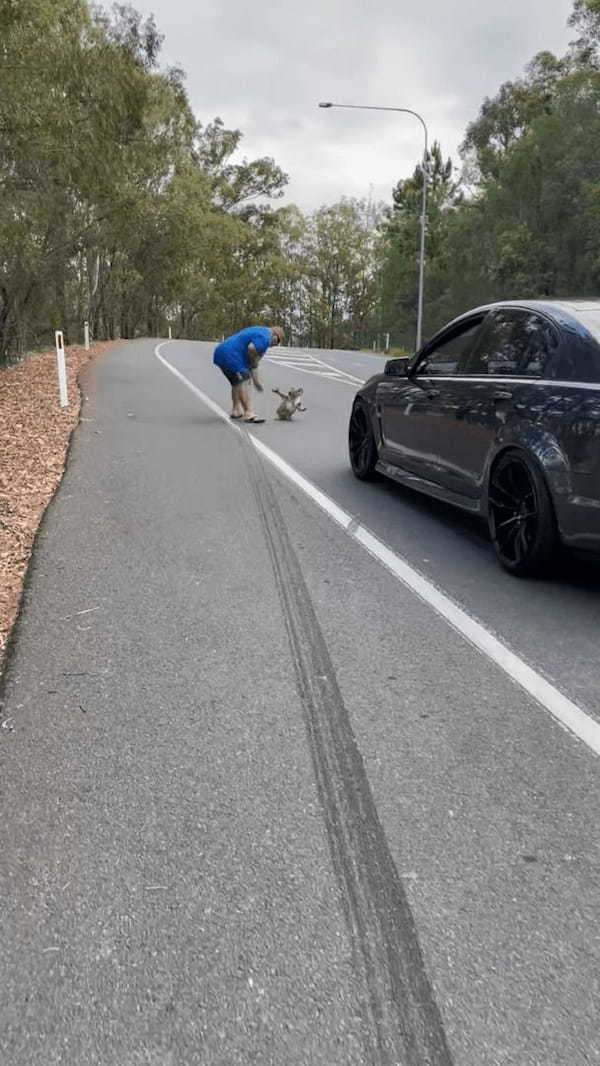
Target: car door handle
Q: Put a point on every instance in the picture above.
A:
(501, 394)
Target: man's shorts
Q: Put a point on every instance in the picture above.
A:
(236, 377)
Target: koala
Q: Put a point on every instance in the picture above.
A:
(290, 403)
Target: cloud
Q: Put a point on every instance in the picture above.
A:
(264, 67)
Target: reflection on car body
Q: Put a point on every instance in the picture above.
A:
(498, 414)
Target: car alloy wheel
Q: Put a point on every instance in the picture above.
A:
(521, 518)
(361, 443)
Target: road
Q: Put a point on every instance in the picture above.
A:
(261, 802)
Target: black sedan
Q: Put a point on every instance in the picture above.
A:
(499, 414)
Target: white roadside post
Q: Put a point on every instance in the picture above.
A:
(170, 334)
(62, 368)
(86, 336)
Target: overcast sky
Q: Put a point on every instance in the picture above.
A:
(264, 66)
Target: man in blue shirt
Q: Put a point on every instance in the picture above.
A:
(238, 357)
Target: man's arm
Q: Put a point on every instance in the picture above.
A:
(253, 357)
(253, 361)
(256, 380)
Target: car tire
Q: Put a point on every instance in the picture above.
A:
(361, 443)
(521, 517)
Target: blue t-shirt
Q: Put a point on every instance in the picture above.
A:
(232, 354)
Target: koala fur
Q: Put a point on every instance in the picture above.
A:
(290, 403)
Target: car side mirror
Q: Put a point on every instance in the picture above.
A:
(397, 368)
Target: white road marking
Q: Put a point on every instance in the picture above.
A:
(197, 392)
(303, 361)
(562, 709)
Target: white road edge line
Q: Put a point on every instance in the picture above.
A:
(566, 713)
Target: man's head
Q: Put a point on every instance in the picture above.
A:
(276, 335)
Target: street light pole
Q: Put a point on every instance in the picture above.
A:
(408, 111)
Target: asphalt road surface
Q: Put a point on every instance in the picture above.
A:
(261, 802)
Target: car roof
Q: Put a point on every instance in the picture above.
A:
(564, 311)
(570, 306)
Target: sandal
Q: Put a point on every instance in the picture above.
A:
(236, 416)
(255, 420)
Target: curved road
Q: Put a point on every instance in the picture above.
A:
(261, 802)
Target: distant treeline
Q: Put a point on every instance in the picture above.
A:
(117, 206)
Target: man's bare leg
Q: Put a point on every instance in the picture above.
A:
(236, 406)
(241, 400)
(247, 400)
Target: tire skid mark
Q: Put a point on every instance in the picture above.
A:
(403, 1026)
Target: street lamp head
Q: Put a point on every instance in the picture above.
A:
(426, 180)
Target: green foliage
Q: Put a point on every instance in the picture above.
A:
(398, 276)
(524, 219)
(536, 231)
(585, 18)
(118, 207)
(338, 287)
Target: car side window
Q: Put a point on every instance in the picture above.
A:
(537, 340)
(514, 343)
(578, 359)
(448, 357)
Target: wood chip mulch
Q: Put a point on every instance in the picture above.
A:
(34, 434)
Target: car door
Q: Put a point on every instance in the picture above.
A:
(499, 392)
(415, 412)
